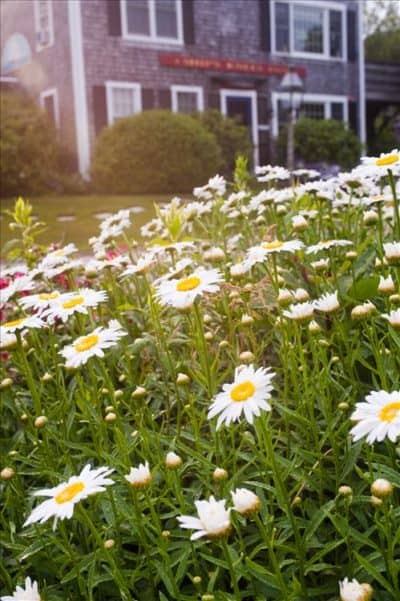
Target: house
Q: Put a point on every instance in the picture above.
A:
(90, 62)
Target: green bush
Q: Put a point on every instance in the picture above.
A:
(154, 152)
(325, 141)
(29, 150)
(233, 139)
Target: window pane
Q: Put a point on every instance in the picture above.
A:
(313, 110)
(187, 102)
(308, 29)
(335, 33)
(137, 12)
(282, 26)
(337, 111)
(123, 102)
(166, 25)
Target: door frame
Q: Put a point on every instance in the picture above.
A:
(225, 93)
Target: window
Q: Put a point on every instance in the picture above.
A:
(313, 106)
(49, 102)
(43, 24)
(187, 99)
(152, 20)
(123, 99)
(309, 29)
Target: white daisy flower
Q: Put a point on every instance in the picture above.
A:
(239, 269)
(392, 251)
(52, 272)
(54, 258)
(21, 323)
(143, 264)
(29, 593)
(213, 521)
(182, 293)
(328, 303)
(139, 477)
(378, 417)
(352, 590)
(386, 285)
(245, 501)
(248, 394)
(393, 318)
(258, 254)
(114, 225)
(64, 497)
(386, 160)
(92, 344)
(78, 302)
(7, 339)
(39, 302)
(19, 284)
(300, 311)
(217, 184)
(325, 245)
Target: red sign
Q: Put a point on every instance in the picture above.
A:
(225, 65)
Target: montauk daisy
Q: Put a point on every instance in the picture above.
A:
(92, 344)
(327, 303)
(352, 590)
(392, 251)
(139, 477)
(30, 322)
(213, 521)
(300, 311)
(64, 497)
(386, 160)
(245, 501)
(386, 285)
(28, 593)
(61, 255)
(77, 302)
(378, 417)
(182, 293)
(39, 302)
(393, 318)
(258, 254)
(325, 245)
(19, 284)
(248, 394)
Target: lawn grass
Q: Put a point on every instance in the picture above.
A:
(84, 207)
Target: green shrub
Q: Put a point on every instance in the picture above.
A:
(325, 141)
(233, 139)
(154, 152)
(29, 150)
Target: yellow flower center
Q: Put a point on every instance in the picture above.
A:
(69, 492)
(243, 391)
(74, 302)
(48, 296)
(13, 324)
(188, 284)
(272, 245)
(387, 160)
(86, 343)
(390, 412)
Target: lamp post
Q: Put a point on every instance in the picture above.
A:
(292, 85)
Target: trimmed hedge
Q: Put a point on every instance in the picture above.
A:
(29, 151)
(154, 152)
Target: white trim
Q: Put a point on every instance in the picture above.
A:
(361, 77)
(325, 99)
(40, 46)
(153, 38)
(326, 6)
(125, 85)
(79, 86)
(8, 79)
(252, 94)
(178, 89)
(54, 93)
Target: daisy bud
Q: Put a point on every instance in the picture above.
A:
(207, 319)
(301, 295)
(245, 501)
(314, 327)
(394, 298)
(323, 342)
(182, 379)
(46, 377)
(118, 394)
(214, 255)
(207, 597)
(284, 296)
(246, 357)
(360, 311)
(281, 210)
(139, 477)
(343, 406)
(352, 590)
(335, 359)
(172, 460)
(196, 579)
(109, 543)
(219, 474)
(299, 223)
(165, 533)
(209, 336)
(246, 319)
(370, 217)
(110, 417)
(109, 408)
(122, 378)
(381, 488)
(386, 285)
(24, 417)
(139, 392)
(351, 254)
(345, 491)
(6, 383)
(223, 344)
(260, 219)
(320, 265)
(7, 473)
(248, 287)
(104, 391)
(376, 501)
(297, 500)
(40, 421)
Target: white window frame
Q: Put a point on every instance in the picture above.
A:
(178, 89)
(327, 5)
(112, 85)
(39, 45)
(54, 93)
(153, 38)
(252, 94)
(325, 99)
